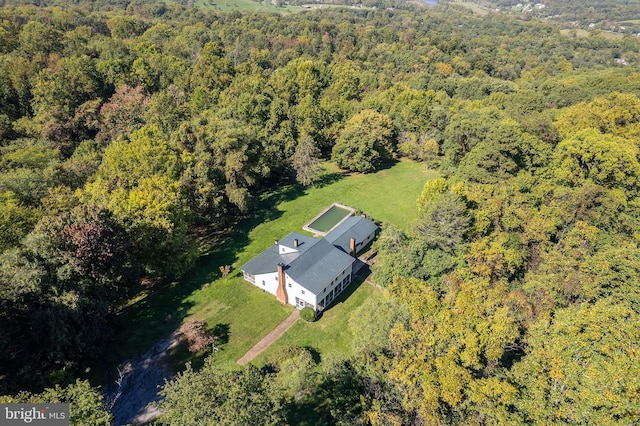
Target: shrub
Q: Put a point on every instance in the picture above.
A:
(308, 314)
(197, 335)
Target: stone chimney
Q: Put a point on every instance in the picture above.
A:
(352, 246)
(281, 292)
(295, 242)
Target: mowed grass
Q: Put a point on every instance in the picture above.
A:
(388, 196)
(475, 8)
(248, 5)
(575, 32)
(579, 33)
(329, 335)
(240, 313)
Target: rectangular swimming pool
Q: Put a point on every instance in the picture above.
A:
(328, 219)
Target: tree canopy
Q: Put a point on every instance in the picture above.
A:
(130, 131)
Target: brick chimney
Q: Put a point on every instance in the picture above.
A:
(281, 292)
(352, 246)
(295, 242)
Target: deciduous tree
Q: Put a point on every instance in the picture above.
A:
(86, 404)
(447, 361)
(122, 114)
(306, 161)
(212, 396)
(580, 366)
(443, 222)
(366, 141)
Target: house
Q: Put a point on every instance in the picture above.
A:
(306, 271)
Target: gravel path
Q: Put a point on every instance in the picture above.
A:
(138, 384)
(269, 338)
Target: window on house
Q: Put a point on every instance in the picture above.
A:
(282, 249)
(289, 285)
(302, 291)
(263, 282)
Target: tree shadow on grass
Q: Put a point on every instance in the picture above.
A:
(221, 245)
(387, 164)
(180, 356)
(358, 280)
(180, 353)
(315, 355)
(328, 179)
(221, 333)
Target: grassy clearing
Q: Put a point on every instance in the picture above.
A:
(248, 5)
(579, 33)
(477, 9)
(239, 313)
(388, 195)
(611, 35)
(242, 314)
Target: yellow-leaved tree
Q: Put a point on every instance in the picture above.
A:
(139, 182)
(448, 362)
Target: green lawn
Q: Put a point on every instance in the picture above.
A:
(575, 32)
(389, 195)
(249, 5)
(331, 333)
(579, 33)
(241, 313)
(475, 8)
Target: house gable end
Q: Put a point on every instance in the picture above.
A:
(360, 229)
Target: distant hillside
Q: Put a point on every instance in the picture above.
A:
(158, 7)
(606, 15)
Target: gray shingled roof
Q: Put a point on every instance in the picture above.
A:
(317, 260)
(304, 241)
(315, 267)
(268, 260)
(354, 227)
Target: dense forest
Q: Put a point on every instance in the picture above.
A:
(514, 298)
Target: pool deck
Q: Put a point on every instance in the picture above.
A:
(316, 232)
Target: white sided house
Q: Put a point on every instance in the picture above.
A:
(307, 271)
